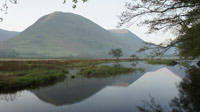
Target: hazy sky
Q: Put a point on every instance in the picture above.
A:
(102, 12)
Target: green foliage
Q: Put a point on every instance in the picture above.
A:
(116, 53)
(104, 71)
(189, 45)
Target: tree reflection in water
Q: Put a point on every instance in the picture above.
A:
(188, 99)
(9, 97)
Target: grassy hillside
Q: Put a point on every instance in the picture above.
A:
(131, 40)
(65, 34)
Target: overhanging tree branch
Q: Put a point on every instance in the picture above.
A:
(173, 15)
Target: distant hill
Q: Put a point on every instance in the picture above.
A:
(65, 34)
(5, 35)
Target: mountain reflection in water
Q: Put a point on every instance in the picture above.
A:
(111, 94)
(75, 90)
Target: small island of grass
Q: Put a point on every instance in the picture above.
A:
(104, 71)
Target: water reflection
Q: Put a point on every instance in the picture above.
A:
(112, 94)
(10, 97)
(75, 90)
(188, 99)
(189, 92)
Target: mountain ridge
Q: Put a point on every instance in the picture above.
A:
(6, 34)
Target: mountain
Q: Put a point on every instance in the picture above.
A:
(5, 35)
(65, 34)
(127, 37)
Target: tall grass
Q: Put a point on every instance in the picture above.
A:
(104, 71)
(15, 81)
(16, 75)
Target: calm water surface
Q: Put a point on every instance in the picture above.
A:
(113, 94)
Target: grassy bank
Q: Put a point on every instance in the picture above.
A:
(12, 81)
(104, 71)
(17, 75)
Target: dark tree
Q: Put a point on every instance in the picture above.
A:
(180, 16)
(116, 53)
(133, 56)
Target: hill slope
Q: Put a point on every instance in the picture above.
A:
(127, 37)
(5, 35)
(65, 34)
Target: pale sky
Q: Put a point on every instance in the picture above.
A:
(102, 12)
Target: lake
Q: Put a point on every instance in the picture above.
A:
(122, 93)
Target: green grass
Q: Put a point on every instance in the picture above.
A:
(11, 81)
(18, 75)
(168, 62)
(104, 71)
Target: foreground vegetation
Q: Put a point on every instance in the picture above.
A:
(104, 71)
(17, 74)
(11, 81)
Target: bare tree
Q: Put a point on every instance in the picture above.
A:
(163, 15)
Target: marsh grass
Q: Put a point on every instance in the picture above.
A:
(18, 74)
(28, 79)
(104, 71)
